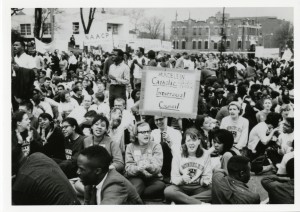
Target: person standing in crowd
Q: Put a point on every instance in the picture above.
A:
(72, 62)
(138, 62)
(231, 188)
(39, 180)
(144, 160)
(119, 76)
(108, 186)
(170, 140)
(191, 172)
(236, 124)
(72, 41)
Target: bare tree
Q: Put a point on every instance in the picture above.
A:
(153, 26)
(15, 11)
(90, 20)
(37, 22)
(45, 17)
(135, 15)
(285, 36)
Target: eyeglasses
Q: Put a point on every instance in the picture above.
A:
(66, 126)
(145, 132)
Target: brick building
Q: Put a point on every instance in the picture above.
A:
(242, 33)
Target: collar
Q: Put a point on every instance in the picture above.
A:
(99, 186)
(236, 182)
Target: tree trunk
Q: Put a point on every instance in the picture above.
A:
(38, 22)
(90, 21)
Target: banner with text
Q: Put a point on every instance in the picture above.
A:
(260, 51)
(104, 39)
(169, 92)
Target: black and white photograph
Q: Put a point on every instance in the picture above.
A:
(151, 106)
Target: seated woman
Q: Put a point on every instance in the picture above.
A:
(26, 136)
(100, 137)
(191, 173)
(52, 137)
(223, 143)
(73, 146)
(67, 104)
(144, 160)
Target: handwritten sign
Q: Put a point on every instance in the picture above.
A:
(287, 55)
(169, 92)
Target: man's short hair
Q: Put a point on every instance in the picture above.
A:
(290, 168)
(273, 119)
(47, 79)
(120, 52)
(62, 86)
(120, 100)
(21, 42)
(100, 96)
(100, 156)
(90, 114)
(236, 164)
(27, 104)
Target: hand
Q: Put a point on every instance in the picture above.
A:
(19, 137)
(166, 137)
(30, 134)
(186, 179)
(112, 167)
(15, 66)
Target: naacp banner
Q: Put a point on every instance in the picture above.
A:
(169, 92)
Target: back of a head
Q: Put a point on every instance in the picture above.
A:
(236, 164)
(290, 168)
(273, 119)
(99, 157)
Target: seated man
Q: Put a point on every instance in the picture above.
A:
(170, 140)
(79, 112)
(280, 189)
(109, 187)
(231, 188)
(39, 181)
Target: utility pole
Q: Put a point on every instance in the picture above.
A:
(52, 23)
(164, 32)
(223, 34)
(243, 34)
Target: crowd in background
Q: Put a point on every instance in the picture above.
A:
(64, 104)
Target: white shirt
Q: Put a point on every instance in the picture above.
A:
(72, 60)
(67, 107)
(175, 139)
(257, 133)
(78, 114)
(120, 71)
(102, 108)
(99, 187)
(137, 72)
(25, 61)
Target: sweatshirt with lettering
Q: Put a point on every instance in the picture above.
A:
(148, 154)
(199, 169)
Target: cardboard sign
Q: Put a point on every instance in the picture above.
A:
(169, 92)
(287, 55)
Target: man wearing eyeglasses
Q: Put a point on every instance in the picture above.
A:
(170, 140)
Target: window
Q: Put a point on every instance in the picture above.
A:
(25, 29)
(194, 31)
(183, 31)
(177, 44)
(175, 31)
(174, 44)
(200, 31)
(206, 44)
(47, 28)
(228, 44)
(75, 27)
(215, 45)
(113, 27)
(183, 44)
(194, 45)
(199, 44)
(239, 44)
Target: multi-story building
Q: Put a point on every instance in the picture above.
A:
(68, 22)
(242, 33)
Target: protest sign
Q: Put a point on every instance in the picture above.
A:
(260, 51)
(104, 39)
(287, 55)
(46, 47)
(169, 92)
